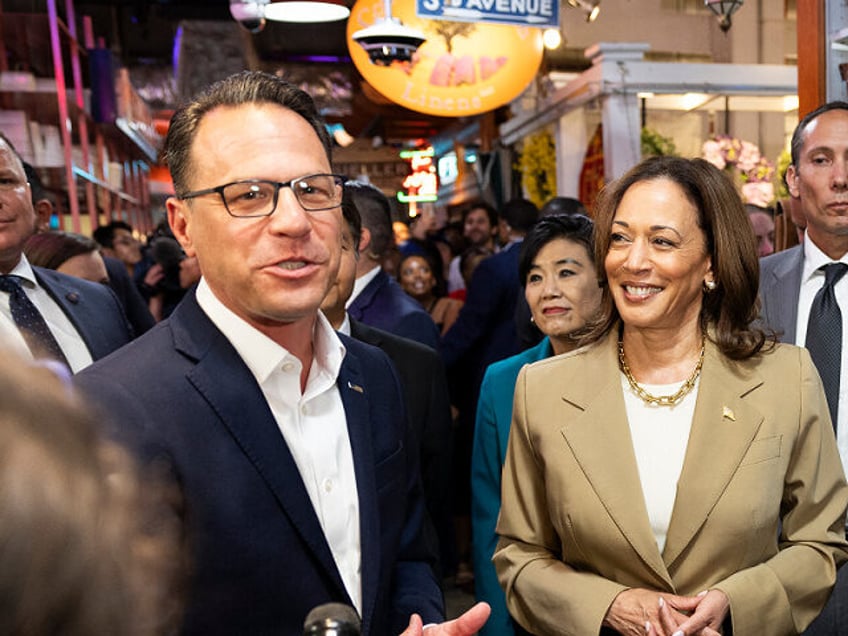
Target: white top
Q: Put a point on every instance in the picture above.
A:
(811, 282)
(69, 339)
(660, 435)
(312, 423)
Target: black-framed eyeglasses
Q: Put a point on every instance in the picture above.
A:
(253, 198)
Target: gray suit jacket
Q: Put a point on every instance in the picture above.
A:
(780, 286)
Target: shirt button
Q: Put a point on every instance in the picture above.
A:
(304, 410)
(328, 485)
(288, 367)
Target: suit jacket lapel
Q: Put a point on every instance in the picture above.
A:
(356, 404)
(783, 286)
(366, 296)
(225, 382)
(723, 427)
(600, 440)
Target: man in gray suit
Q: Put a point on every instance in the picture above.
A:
(789, 280)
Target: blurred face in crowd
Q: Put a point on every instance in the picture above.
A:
(820, 178)
(562, 290)
(334, 303)
(275, 270)
(416, 277)
(477, 228)
(126, 248)
(89, 266)
(657, 260)
(764, 231)
(17, 218)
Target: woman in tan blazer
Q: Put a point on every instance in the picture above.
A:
(678, 476)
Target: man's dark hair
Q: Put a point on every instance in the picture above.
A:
(801, 128)
(562, 205)
(247, 87)
(36, 187)
(105, 234)
(375, 212)
(352, 218)
(521, 214)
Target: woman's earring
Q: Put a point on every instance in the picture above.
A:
(532, 319)
(710, 285)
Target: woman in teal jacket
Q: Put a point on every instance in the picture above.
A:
(558, 275)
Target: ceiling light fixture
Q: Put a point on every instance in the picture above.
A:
(307, 10)
(388, 39)
(551, 38)
(250, 14)
(723, 10)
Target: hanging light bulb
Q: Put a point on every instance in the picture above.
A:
(591, 7)
(723, 10)
(551, 38)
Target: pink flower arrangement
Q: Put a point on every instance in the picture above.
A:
(753, 171)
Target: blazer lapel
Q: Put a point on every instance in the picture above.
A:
(783, 287)
(225, 382)
(356, 398)
(723, 427)
(601, 443)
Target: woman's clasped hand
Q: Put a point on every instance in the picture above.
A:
(639, 611)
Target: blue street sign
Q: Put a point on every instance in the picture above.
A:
(535, 13)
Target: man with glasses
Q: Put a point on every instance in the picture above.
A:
(299, 478)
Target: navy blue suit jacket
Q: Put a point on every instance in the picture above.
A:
(261, 562)
(92, 308)
(384, 305)
(485, 328)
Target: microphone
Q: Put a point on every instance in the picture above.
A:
(332, 619)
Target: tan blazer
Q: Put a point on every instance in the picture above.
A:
(574, 527)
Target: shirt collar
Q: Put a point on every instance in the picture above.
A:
(360, 283)
(24, 270)
(814, 259)
(261, 354)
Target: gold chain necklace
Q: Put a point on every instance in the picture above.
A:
(660, 400)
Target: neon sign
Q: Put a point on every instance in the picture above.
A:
(422, 184)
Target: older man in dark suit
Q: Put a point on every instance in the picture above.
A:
(43, 313)
(290, 443)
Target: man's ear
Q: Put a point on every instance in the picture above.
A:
(180, 222)
(792, 181)
(43, 211)
(364, 240)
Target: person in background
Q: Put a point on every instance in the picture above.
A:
(117, 241)
(290, 442)
(797, 280)
(43, 313)
(561, 287)
(42, 204)
(762, 221)
(479, 229)
(422, 377)
(562, 205)
(377, 299)
(417, 277)
(468, 262)
(664, 480)
(86, 544)
(69, 253)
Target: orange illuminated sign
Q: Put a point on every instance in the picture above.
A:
(463, 68)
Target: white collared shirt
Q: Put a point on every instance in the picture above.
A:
(360, 283)
(312, 423)
(811, 282)
(69, 339)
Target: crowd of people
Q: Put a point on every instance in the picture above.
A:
(618, 422)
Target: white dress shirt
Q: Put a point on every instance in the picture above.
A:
(660, 436)
(811, 282)
(312, 423)
(69, 339)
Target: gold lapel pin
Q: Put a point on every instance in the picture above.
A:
(355, 387)
(728, 413)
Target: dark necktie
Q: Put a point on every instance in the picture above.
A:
(30, 322)
(824, 335)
